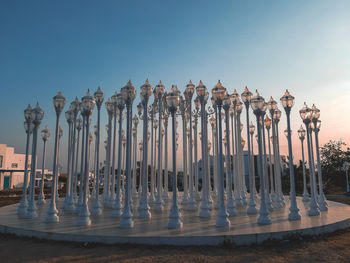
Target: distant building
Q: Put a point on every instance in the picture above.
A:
(11, 167)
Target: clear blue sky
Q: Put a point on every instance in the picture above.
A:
(70, 46)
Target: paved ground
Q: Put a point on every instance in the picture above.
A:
(333, 247)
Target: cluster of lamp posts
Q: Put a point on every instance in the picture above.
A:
(133, 197)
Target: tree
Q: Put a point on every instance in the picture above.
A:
(333, 156)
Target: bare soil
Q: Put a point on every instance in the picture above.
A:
(333, 247)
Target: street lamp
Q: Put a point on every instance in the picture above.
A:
(173, 100)
(111, 112)
(246, 98)
(267, 123)
(301, 134)
(45, 134)
(74, 107)
(192, 206)
(258, 106)
(231, 206)
(306, 115)
(287, 101)
(272, 107)
(59, 102)
(202, 95)
(165, 120)
(69, 117)
(253, 190)
(316, 127)
(135, 121)
(146, 92)
(28, 126)
(219, 94)
(129, 93)
(88, 104)
(37, 116)
(119, 101)
(158, 95)
(96, 206)
(196, 114)
(111, 181)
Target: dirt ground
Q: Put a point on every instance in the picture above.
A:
(333, 247)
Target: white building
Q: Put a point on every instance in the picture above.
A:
(11, 167)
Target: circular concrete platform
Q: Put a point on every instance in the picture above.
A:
(244, 229)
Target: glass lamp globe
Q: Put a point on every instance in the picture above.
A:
(267, 122)
(75, 105)
(120, 99)
(79, 123)
(95, 129)
(189, 90)
(271, 104)
(305, 112)
(128, 92)
(163, 131)
(159, 90)
(257, 102)
(277, 114)
(124, 140)
(68, 115)
(234, 97)
(246, 95)
(201, 89)
(173, 99)
(155, 124)
(140, 145)
(88, 102)
(37, 113)
(146, 90)
(59, 102)
(239, 106)
(99, 96)
(287, 100)
(45, 133)
(135, 120)
(315, 112)
(28, 113)
(301, 132)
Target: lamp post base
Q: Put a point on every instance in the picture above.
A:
(22, 208)
(306, 197)
(96, 208)
(264, 220)
(191, 205)
(314, 211)
(294, 215)
(52, 218)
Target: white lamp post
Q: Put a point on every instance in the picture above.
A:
(69, 117)
(110, 111)
(37, 116)
(202, 94)
(191, 205)
(117, 206)
(258, 106)
(301, 134)
(251, 131)
(158, 95)
(45, 134)
(88, 103)
(268, 127)
(316, 127)
(196, 114)
(219, 94)
(287, 101)
(146, 92)
(59, 102)
(175, 215)
(306, 115)
(135, 121)
(165, 120)
(28, 126)
(96, 206)
(129, 93)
